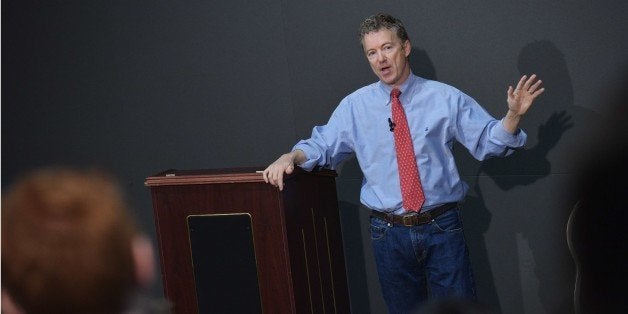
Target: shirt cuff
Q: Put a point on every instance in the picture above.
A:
(311, 156)
(511, 140)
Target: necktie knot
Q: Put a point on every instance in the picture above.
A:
(395, 93)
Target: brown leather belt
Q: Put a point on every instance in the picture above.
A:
(413, 219)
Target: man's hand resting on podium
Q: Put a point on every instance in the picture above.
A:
(273, 174)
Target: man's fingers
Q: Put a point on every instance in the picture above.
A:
(288, 170)
(528, 82)
(521, 82)
(274, 174)
(269, 175)
(535, 86)
(538, 92)
(279, 180)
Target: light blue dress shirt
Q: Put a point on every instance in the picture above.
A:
(438, 115)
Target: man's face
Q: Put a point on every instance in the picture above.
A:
(388, 56)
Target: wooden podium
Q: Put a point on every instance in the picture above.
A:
(231, 243)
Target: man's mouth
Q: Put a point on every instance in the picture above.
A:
(385, 70)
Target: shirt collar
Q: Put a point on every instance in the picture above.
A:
(386, 89)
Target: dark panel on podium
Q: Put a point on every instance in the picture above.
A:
(289, 256)
(223, 257)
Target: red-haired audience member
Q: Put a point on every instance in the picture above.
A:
(70, 246)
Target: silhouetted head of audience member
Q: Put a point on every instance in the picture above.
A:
(596, 231)
(70, 246)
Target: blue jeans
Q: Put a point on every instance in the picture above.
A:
(428, 261)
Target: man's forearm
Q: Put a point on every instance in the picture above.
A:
(511, 122)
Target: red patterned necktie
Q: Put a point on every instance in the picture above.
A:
(411, 189)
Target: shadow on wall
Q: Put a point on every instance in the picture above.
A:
(421, 64)
(540, 217)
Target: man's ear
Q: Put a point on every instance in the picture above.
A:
(143, 256)
(407, 47)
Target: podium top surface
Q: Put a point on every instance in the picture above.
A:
(215, 176)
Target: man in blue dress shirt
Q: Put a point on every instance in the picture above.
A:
(424, 255)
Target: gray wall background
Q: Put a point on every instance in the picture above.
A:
(137, 87)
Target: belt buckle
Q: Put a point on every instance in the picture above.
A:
(408, 220)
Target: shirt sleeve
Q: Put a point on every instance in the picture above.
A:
(330, 144)
(483, 135)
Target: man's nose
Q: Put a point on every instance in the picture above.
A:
(381, 57)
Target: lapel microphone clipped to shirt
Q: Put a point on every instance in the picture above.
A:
(391, 124)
